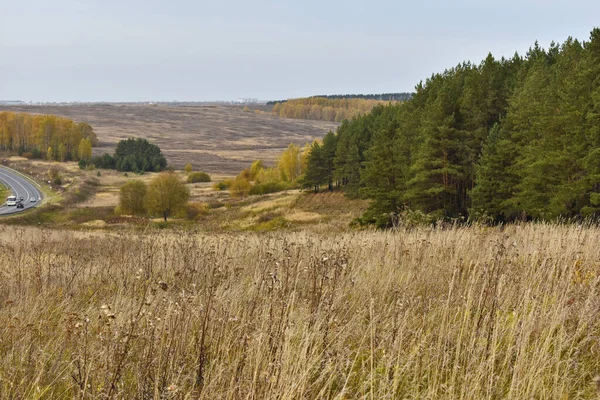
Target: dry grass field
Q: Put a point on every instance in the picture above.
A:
(215, 139)
(464, 313)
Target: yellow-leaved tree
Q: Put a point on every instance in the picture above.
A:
(166, 195)
(62, 152)
(85, 149)
(290, 164)
(240, 187)
(132, 197)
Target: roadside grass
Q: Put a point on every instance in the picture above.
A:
(4, 193)
(450, 313)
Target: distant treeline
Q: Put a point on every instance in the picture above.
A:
(273, 102)
(381, 96)
(325, 109)
(46, 136)
(507, 139)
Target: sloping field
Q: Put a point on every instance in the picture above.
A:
(216, 139)
(468, 313)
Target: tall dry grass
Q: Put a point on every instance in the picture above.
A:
(458, 314)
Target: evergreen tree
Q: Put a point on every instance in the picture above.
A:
(496, 178)
(138, 155)
(316, 171)
(386, 170)
(327, 158)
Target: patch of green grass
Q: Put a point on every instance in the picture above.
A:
(270, 225)
(3, 193)
(49, 214)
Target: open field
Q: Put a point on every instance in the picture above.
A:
(215, 139)
(87, 198)
(461, 313)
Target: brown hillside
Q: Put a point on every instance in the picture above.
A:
(216, 139)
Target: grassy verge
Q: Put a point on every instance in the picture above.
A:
(4, 193)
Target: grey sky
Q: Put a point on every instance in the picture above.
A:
(132, 50)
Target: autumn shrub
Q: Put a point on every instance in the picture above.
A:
(239, 187)
(268, 187)
(222, 185)
(132, 197)
(53, 173)
(196, 177)
(194, 210)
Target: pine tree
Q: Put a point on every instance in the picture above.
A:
(496, 178)
(316, 170)
(438, 185)
(385, 171)
(328, 154)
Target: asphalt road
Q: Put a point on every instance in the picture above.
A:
(20, 187)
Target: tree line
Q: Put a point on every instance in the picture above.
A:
(381, 96)
(131, 155)
(325, 109)
(46, 136)
(506, 139)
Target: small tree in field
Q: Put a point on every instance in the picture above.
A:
(166, 195)
(132, 197)
(188, 168)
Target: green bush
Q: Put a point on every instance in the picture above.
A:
(268, 187)
(223, 185)
(196, 177)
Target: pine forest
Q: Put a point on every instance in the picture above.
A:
(499, 141)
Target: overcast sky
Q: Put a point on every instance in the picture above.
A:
(136, 50)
